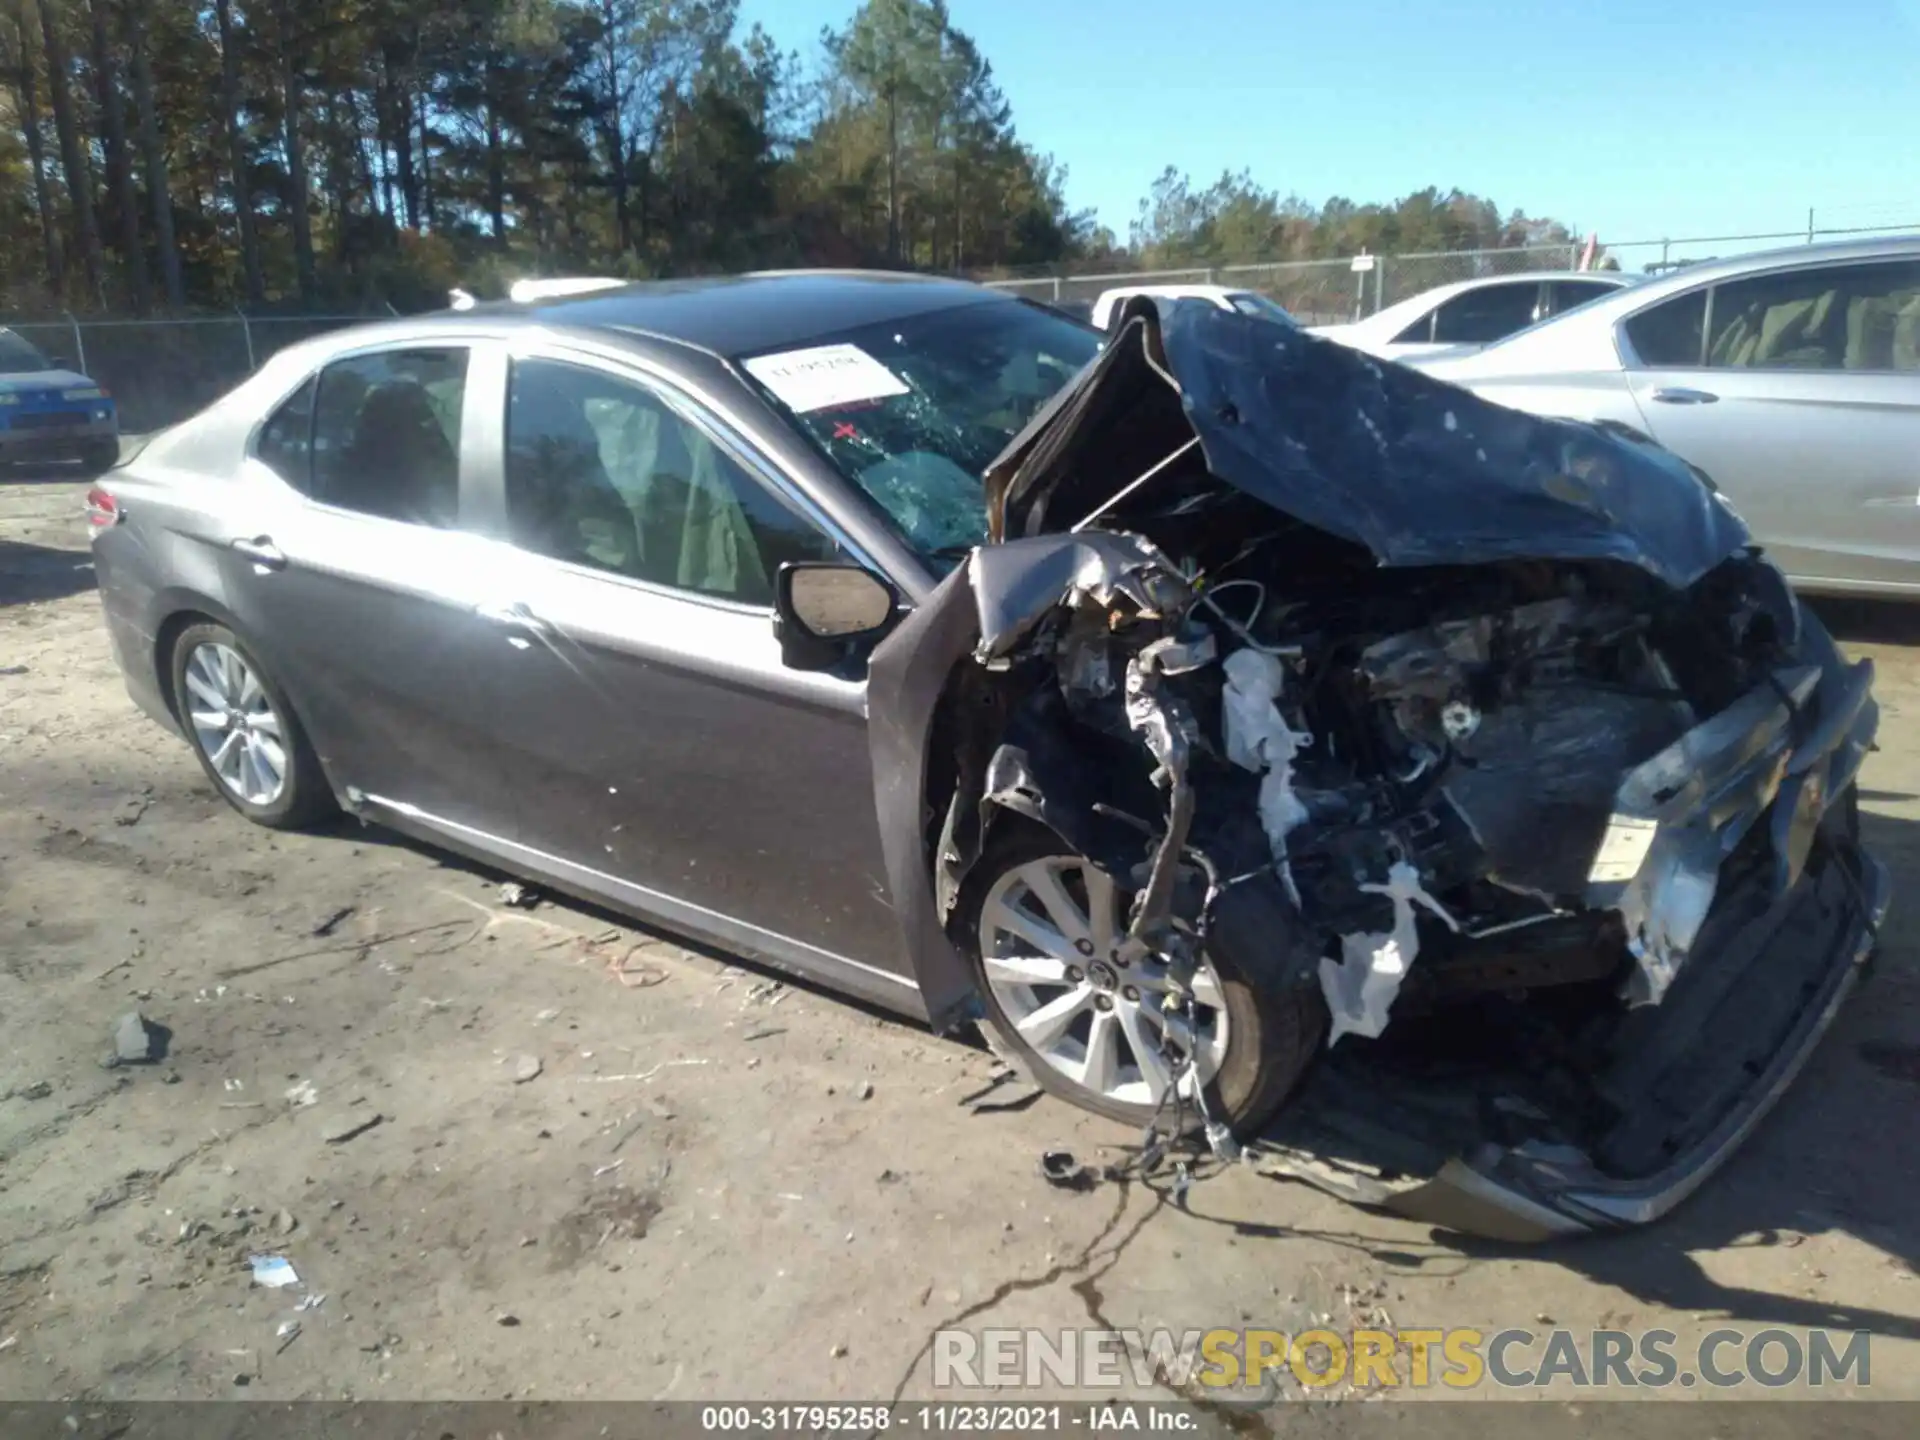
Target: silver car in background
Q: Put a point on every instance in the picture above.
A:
(1792, 378)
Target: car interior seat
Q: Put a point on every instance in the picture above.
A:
(565, 502)
(694, 533)
(399, 463)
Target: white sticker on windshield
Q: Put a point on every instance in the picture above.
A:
(1623, 850)
(825, 376)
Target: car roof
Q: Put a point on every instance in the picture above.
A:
(1685, 277)
(739, 314)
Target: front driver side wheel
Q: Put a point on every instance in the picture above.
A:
(243, 731)
(1041, 927)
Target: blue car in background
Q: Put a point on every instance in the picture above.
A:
(51, 414)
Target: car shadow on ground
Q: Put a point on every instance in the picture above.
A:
(33, 573)
(1829, 1160)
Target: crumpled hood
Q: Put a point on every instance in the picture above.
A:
(1418, 471)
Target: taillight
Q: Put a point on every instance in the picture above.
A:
(102, 509)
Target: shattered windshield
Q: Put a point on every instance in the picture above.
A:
(914, 410)
(17, 357)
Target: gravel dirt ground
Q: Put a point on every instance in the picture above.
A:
(545, 1154)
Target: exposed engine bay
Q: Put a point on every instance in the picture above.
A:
(1469, 777)
(1430, 764)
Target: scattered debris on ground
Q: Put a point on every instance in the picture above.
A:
(135, 1042)
(273, 1272)
(525, 1068)
(332, 922)
(1059, 1168)
(348, 1127)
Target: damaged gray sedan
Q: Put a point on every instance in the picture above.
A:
(1445, 806)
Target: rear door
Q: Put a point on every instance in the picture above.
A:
(345, 566)
(657, 741)
(1798, 391)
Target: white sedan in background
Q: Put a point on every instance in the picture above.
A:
(1472, 312)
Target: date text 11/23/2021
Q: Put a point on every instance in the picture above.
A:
(988, 1419)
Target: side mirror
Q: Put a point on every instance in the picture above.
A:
(824, 613)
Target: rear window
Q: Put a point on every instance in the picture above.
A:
(912, 411)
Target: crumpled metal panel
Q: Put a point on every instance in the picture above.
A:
(1018, 584)
(1418, 471)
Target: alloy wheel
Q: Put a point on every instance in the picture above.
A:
(1050, 934)
(234, 724)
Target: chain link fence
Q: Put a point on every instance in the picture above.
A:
(161, 371)
(1315, 292)
(1327, 292)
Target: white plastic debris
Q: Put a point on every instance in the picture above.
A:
(1258, 738)
(275, 1272)
(303, 1094)
(1360, 987)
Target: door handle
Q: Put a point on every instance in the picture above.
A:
(261, 551)
(1668, 395)
(513, 615)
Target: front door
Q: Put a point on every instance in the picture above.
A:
(657, 739)
(1806, 414)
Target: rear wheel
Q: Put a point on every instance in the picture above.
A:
(244, 732)
(1040, 927)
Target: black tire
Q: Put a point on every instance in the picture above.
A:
(1272, 1037)
(305, 797)
(98, 459)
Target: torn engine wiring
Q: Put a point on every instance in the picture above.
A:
(1428, 762)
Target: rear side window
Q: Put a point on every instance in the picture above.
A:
(1418, 333)
(1482, 316)
(1670, 334)
(1834, 317)
(386, 435)
(286, 440)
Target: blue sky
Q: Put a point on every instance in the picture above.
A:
(1634, 118)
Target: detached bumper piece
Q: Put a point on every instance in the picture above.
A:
(1793, 743)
